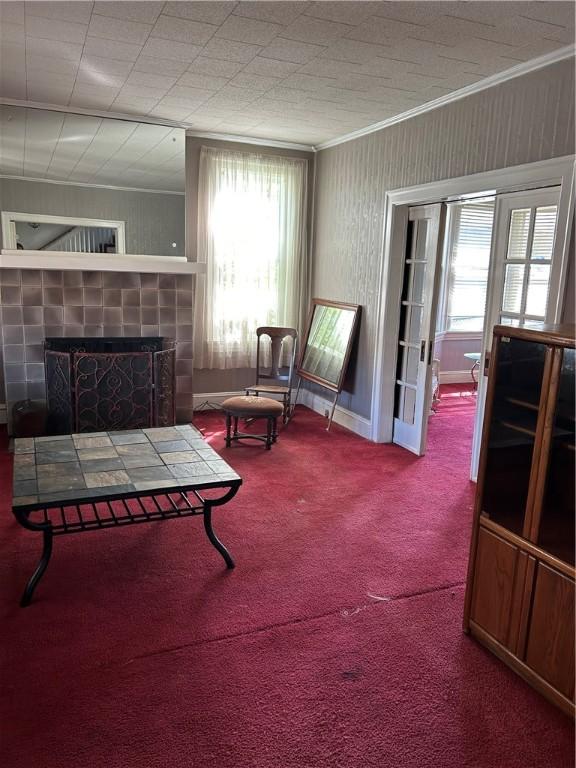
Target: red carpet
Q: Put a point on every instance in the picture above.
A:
(335, 643)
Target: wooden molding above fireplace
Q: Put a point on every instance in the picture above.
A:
(63, 260)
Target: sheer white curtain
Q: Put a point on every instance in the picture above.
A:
(252, 237)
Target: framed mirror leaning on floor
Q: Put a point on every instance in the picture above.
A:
(325, 353)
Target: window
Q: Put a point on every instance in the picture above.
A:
(528, 264)
(252, 237)
(468, 258)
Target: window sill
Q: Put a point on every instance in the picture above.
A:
(459, 336)
(62, 260)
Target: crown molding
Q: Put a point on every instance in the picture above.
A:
(250, 140)
(488, 82)
(91, 186)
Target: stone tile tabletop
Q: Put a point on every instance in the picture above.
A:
(86, 467)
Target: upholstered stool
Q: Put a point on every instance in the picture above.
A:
(251, 407)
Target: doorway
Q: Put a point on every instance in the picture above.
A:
(521, 283)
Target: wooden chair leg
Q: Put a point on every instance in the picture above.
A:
(269, 433)
(235, 426)
(274, 429)
(228, 427)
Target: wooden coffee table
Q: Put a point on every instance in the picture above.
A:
(86, 482)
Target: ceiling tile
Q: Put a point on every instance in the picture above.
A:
(38, 76)
(116, 29)
(219, 67)
(160, 66)
(279, 13)
(317, 31)
(50, 64)
(126, 101)
(147, 79)
(187, 92)
(91, 76)
(71, 11)
(106, 66)
(146, 12)
(12, 33)
(51, 92)
(169, 49)
(291, 50)
(183, 30)
(12, 12)
(379, 31)
(291, 95)
(212, 12)
(11, 86)
(561, 14)
(271, 67)
(54, 29)
(229, 50)
(255, 82)
(142, 92)
(208, 82)
(98, 46)
(251, 31)
(169, 113)
(351, 13)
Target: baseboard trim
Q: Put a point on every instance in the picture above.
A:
(342, 416)
(455, 377)
(213, 398)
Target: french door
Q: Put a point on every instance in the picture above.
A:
(417, 326)
(522, 268)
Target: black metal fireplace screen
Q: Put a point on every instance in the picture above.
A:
(101, 384)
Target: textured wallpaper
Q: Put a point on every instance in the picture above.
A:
(524, 120)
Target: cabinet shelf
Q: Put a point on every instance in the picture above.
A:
(519, 428)
(523, 403)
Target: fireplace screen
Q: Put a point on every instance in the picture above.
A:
(102, 384)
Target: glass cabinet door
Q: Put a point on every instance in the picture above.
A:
(556, 534)
(512, 431)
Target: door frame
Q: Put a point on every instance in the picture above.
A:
(553, 172)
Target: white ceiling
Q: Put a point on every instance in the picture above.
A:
(295, 71)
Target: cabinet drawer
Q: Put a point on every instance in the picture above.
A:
(496, 561)
(550, 644)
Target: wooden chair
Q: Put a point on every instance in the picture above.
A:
(273, 380)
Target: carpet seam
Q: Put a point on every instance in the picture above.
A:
(258, 630)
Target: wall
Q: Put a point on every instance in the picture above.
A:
(449, 350)
(524, 120)
(153, 220)
(229, 380)
(40, 303)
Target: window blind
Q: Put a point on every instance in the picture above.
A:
(468, 261)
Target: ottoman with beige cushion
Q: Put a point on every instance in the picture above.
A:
(251, 407)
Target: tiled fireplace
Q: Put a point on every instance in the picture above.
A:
(36, 304)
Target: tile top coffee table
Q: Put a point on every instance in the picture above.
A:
(75, 483)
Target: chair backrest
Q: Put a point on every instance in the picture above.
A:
(277, 336)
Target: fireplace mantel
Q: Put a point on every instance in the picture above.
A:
(63, 260)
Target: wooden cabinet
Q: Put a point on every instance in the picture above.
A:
(520, 592)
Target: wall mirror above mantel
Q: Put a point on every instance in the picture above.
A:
(75, 183)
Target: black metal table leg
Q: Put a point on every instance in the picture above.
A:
(214, 540)
(40, 569)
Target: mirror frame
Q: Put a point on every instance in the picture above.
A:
(302, 373)
(9, 219)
